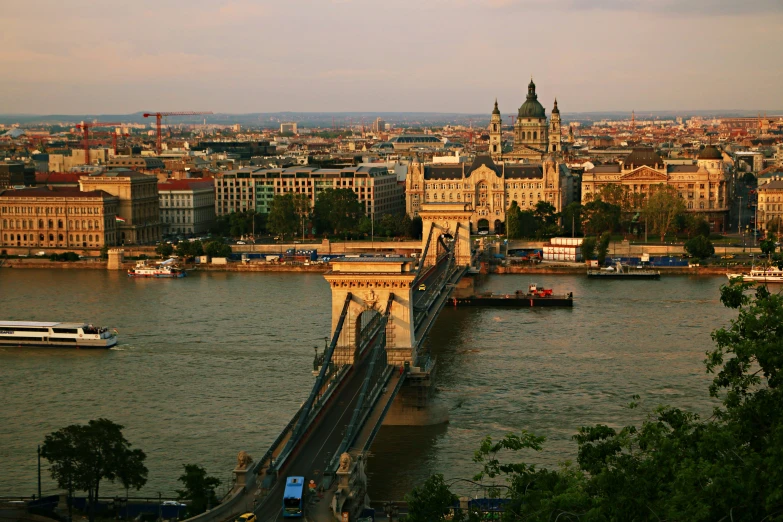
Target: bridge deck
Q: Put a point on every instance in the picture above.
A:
(319, 445)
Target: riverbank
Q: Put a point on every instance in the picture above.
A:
(563, 270)
(543, 269)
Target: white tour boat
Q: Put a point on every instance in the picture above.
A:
(167, 268)
(768, 274)
(71, 335)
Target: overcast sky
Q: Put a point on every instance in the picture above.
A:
(110, 56)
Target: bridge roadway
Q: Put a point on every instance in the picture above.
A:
(322, 440)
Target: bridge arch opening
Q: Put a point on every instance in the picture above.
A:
(482, 225)
(362, 326)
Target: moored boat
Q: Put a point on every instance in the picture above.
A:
(167, 268)
(534, 297)
(764, 274)
(620, 272)
(59, 335)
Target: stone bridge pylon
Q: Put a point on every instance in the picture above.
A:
(371, 281)
(450, 220)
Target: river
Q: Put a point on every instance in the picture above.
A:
(218, 362)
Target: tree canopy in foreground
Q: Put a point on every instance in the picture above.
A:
(676, 466)
(82, 456)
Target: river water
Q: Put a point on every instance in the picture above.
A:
(217, 363)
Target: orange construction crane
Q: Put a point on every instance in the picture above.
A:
(159, 115)
(85, 128)
(114, 135)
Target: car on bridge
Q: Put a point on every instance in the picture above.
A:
(422, 287)
(247, 517)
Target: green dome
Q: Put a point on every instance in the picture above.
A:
(710, 153)
(532, 108)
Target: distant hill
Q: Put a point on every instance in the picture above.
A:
(343, 119)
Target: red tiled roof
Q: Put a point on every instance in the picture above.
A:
(58, 177)
(186, 184)
(42, 192)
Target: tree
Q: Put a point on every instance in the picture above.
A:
(415, 228)
(164, 249)
(217, 248)
(698, 226)
(404, 225)
(302, 210)
(749, 179)
(602, 249)
(388, 225)
(238, 224)
(199, 489)
(662, 209)
(572, 219)
(190, 249)
(599, 216)
(546, 214)
(337, 211)
(282, 219)
(588, 248)
(83, 455)
(767, 246)
(365, 225)
(513, 221)
(700, 247)
(431, 502)
(528, 225)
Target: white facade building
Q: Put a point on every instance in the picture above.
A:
(187, 206)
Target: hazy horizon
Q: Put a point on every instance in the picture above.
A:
(436, 56)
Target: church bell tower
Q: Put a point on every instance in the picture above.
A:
(555, 136)
(495, 134)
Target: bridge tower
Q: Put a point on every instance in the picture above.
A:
(371, 281)
(451, 220)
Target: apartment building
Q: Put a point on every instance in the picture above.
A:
(187, 206)
(57, 218)
(253, 189)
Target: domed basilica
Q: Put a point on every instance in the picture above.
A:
(534, 137)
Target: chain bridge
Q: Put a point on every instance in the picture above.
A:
(373, 371)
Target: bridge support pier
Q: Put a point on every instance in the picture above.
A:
(414, 405)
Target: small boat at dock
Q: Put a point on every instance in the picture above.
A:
(533, 298)
(167, 268)
(620, 272)
(763, 274)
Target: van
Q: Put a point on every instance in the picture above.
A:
(40, 254)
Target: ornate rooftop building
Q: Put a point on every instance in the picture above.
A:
(534, 136)
(704, 186)
(489, 188)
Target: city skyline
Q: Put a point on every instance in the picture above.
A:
(431, 56)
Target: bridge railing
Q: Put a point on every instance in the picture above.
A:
(373, 383)
(377, 427)
(424, 252)
(319, 381)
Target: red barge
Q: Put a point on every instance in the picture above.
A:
(533, 298)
